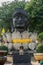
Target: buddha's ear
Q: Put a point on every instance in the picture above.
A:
(27, 24)
(12, 29)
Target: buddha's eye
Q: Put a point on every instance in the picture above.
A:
(13, 19)
(16, 17)
(25, 19)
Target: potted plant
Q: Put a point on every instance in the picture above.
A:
(40, 37)
(3, 54)
(39, 52)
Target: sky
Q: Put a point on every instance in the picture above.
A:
(1, 1)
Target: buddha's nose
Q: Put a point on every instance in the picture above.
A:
(19, 18)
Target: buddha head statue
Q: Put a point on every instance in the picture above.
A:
(20, 19)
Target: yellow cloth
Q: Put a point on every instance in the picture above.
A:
(22, 40)
(3, 31)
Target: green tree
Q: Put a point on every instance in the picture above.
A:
(35, 13)
(7, 10)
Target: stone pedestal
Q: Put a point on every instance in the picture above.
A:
(22, 64)
(21, 59)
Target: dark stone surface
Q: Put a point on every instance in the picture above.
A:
(26, 58)
(23, 64)
(20, 19)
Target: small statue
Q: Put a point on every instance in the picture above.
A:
(21, 51)
(20, 24)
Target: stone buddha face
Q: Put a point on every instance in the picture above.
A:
(20, 21)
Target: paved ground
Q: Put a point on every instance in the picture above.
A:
(35, 63)
(32, 63)
(10, 62)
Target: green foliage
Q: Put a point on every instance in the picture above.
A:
(7, 10)
(39, 48)
(4, 48)
(35, 12)
(40, 36)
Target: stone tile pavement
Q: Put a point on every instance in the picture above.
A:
(32, 63)
(35, 63)
(10, 62)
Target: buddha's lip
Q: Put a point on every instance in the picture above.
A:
(20, 25)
